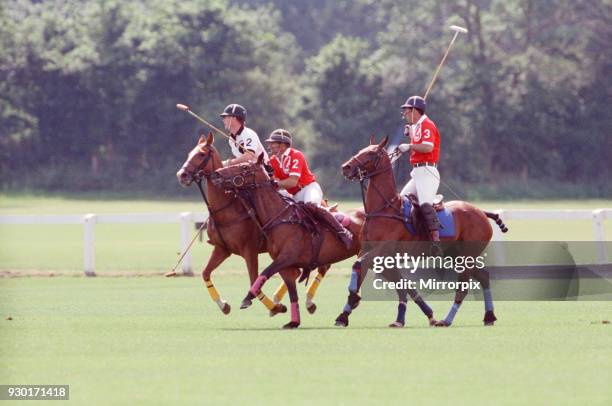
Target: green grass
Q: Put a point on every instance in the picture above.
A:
(163, 341)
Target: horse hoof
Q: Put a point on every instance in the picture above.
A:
(246, 303)
(226, 308)
(311, 307)
(489, 318)
(442, 323)
(279, 308)
(342, 320)
(396, 324)
(432, 322)
(291, 325)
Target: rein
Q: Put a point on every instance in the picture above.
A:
(365, 176)
(245, 194)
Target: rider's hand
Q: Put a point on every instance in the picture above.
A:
(403, 148)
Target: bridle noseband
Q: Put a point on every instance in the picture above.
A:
(363, 174)
(195, 170)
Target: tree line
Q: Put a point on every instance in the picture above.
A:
(88, 88)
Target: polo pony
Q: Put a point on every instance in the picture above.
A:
(230, 228)
(385, 222)
(297, 235)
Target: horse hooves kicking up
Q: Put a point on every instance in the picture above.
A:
(246, 303)
(342, 320)
(396, 324)
(226, 308)
(489, 318)
(291, 325)
(311, 307)
(279, 308)
(442, 323)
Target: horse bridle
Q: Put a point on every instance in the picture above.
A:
(194, 170)
(238, 181)
(364, 176)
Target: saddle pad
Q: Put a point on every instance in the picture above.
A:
(447, 222)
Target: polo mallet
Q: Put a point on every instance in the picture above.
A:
(173, 271)
(457, 30)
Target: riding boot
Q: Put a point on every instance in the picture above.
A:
(433, 225)
(345, 236)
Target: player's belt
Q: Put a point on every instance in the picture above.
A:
(435, 165)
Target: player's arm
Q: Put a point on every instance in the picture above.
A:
(288, 183)
(425, 144)
(245, 157)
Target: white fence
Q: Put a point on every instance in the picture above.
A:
(187, 220)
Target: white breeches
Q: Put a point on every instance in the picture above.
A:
(311, 193)
(424, 184)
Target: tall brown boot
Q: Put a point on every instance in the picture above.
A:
(345, 235)
(433, 225)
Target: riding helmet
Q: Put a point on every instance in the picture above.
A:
(416, 102)
(235, 110)
(280, 135)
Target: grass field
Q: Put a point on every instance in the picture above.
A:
(161, 341)
(152, 340)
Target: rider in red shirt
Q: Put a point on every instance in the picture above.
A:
(292, 174)
(424, 150)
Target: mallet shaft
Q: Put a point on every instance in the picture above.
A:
(440, 65)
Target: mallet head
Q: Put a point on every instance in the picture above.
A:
(182, 107)
(458, 29)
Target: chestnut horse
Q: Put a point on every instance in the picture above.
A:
(384, 222)
(230, 229)
(295, 240)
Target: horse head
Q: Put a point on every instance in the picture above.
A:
(201, 161)
(247, 175)
(367, 161)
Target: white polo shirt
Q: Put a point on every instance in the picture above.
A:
(247, 139)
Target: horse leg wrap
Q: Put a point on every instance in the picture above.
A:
(452, 312)
(261, 279)
(401, 313)
(353, 300)
(312, 289)
(295, 312)
(280, 292)
(214, 295)
(266, 301)
(418, 300)
(212, 291)
(488, 300)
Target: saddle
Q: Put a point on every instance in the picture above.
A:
(438, 201)
(416, 224)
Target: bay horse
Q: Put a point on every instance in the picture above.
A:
(230, 228)
(296, 240)
(385, 222)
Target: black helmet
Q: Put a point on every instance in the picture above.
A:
(416, 102)
(280, 135)
(235, 110)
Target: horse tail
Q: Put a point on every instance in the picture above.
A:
(498, 221)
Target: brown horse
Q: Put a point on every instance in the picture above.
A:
(230, 228)
(384, 222)
(296, 238)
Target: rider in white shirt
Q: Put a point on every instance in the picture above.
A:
(244, 142)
